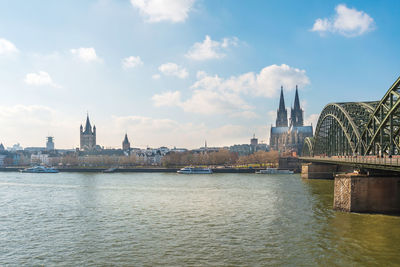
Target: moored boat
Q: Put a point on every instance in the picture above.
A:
(195, 170)
(40, 169)
(274, 171)
(110, 170)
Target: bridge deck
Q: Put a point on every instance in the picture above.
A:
(363, 162)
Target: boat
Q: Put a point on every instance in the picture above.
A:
(195, 170)
(40, 169)
(274, 171)
(110, 170)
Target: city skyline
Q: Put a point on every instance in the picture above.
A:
(180, 74)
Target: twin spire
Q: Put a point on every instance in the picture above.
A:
(296, 114)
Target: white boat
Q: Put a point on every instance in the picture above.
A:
(274, 171)
(40, 169)
(195, 170)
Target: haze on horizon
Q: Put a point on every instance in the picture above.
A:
(180, 73)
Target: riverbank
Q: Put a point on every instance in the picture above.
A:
(120, 170)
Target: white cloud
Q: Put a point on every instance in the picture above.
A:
(167, 99)
(270, 79)
(209, 49)
(172, 69)
(160, 132)
(311, 120)
(40, 120)
(156, 76)
(7, 47)
(131, 62)
(347, 21)
(266, 83)
(215, 95)
(162, 10)
(86, 54)
(39, 79)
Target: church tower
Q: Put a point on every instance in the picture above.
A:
(87, 136)
(281, 119)
(126, 146)
(296, 114)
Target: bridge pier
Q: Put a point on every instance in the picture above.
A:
(318, 171)
(363, 193)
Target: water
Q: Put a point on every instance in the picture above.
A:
(151, 219)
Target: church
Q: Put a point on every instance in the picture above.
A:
(88, 136)
(289, 136)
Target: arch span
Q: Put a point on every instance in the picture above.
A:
(359, 128)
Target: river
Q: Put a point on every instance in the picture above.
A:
(156, 219)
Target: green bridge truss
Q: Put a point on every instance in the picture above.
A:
(358, 128)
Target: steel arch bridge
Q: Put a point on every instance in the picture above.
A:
(358, 128)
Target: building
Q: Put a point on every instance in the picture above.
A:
(247, 149)
(126, 146)
(50, 143)
(88, 136)
(1, 147)
(289, 137)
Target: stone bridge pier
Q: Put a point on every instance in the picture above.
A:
(367, 193)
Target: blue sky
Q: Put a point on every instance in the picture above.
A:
(179, 72)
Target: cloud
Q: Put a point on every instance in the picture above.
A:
(266, 83)
(207, 102)
(131, 62)
(167, 99)
(156, 76)
(215, 95)
(40, 120)
(7, 47)
(161, 10)
(311, 120)
(172, 69)
(167, 132)
(271, 78)
(209, 49)
(86, 54)
(40, 78)
(347, 21)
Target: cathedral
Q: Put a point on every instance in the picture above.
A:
(88, 136)
(289, 136)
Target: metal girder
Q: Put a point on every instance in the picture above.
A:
(308, 147)
(364, 128)
(382, 129)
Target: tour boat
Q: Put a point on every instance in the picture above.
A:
(195, 170)
(274, 171)
(40, 169)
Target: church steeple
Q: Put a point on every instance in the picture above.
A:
(281, 119)
(88, 127)
(126, 145)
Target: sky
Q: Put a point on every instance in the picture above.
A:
(176, 73)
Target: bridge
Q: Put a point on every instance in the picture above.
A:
(358, 144)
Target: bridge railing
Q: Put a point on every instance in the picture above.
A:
(375, 160)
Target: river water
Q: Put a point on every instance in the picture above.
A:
(156, 219)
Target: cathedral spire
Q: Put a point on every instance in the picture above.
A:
(296, 116)
(281, 118)
(281, 100)
(296, 100)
